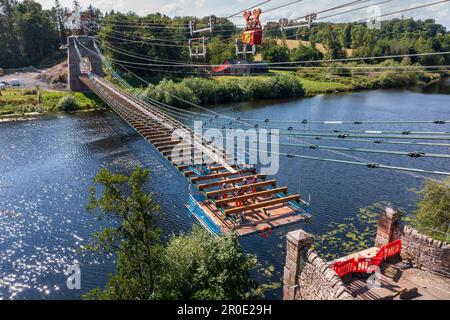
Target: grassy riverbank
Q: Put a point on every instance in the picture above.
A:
(22, 101)
(354, 77)
(278, 84)
(225, 89)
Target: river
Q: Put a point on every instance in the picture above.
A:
(46, 167)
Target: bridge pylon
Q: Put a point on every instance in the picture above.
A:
(87, 49)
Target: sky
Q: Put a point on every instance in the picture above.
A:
(223, 8)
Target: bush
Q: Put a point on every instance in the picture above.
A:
(228, 91)
(30, 91)
(167, 90)
(286, 86)
(433, 214)
(204, 89)
(276, 53)
(254, 89)
(207, 92)
(68, 103)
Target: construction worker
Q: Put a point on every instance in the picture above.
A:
(243, 187)
(241, 192)
(254, 180)
(224, 192)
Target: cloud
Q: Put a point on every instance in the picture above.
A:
(201, 8)
(172, 9)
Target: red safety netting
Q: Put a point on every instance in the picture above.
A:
(220, 68)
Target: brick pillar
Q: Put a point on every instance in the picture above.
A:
(387, 221)
(298, 242)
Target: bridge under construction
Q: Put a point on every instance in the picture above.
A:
(227, 198)
(228, 194)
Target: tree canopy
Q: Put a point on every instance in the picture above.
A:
(189, 266)
(28, 34)
(433, 214)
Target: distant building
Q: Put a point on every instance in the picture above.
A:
(240, 68)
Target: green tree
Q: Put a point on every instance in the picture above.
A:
(334, 47)
(28, 34)
(274, 53)
(136, 240)
(191, 266)
(346, 36)
(218, 51)
(433, 214)
(306, 53)
(199, 266)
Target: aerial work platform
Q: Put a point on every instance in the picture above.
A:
(245, 205)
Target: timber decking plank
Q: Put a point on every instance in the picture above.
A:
(220, 175)
(254, 195)
(263, 204)
(213, 169)
(234, 180)
(211, 194)
(168, 142)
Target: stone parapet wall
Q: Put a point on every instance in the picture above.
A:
(309, 277)
(306, 275)
(317, 281)
(427, 253)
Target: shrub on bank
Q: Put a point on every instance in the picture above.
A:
(254, 90)
(68, 103)
(285, 86)
(212, 91)
(204, 89)
(368, 77)
(433, 214)
(30, 91)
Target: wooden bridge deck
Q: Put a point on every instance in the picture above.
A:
(244, 208)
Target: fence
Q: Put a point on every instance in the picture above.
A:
(364, 265)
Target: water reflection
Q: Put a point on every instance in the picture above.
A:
(46, 167)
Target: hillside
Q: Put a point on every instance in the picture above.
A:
(294, 44)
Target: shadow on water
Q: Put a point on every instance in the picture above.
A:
(439, 87)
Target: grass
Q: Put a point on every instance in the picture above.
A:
(261, 77)
(18, 101)
(312, 87)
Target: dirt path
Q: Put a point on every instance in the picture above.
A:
(38, 77)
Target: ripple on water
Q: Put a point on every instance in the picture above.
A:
(47, 166)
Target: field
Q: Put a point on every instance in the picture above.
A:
(312, 87)
(19, 101)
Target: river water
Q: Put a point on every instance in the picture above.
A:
(46, 167)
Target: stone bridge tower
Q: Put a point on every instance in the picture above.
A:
(87, 49)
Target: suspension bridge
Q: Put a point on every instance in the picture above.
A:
(227, 197)
(232, 196)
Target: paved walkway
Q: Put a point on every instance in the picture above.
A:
(398, 277)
